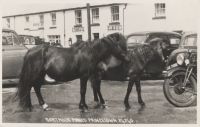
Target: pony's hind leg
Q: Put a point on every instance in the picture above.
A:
(129, 89)
(138, 89)
(83, 87)
(37, 88)
(40, 98)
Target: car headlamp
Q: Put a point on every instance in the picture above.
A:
(187, 61)
(180, 59)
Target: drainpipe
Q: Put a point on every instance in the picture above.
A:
(64, 29)
(123, 16)
(88, 22)
(14, 23)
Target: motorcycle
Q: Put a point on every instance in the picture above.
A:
(180, 85)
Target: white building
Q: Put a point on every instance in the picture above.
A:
(70, 24)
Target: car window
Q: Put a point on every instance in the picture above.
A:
(174, 41)
(4, 41)
(152, 36)
(10, 38)
(190, 41)
(136, 39)
(32, 40)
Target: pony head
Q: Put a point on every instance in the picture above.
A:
(117, 46)
(160, 45)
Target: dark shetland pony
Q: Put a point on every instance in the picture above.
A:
(142, 57)
(65, 64)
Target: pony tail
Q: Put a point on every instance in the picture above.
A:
(30, 73)
(24, 83)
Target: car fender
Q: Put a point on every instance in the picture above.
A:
(171, 71)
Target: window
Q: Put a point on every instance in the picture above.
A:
(160, 10)
(174, 41)
(96, 36)
(27, 19)
(115, 13)
(10, 38)
(190, 41)
(8, 22)
(54, 39)
(95, 15)
(78, 17)
(78, 38)
(41, 20)
(27, 22)
(53, 18)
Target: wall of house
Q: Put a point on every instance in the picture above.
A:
(138, 16)
(180, 15)
(70, 23)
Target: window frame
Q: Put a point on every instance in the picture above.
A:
(54, 39)
(8, 22)
(41, 16)
(115, 13)
(160, 9)
(95, 15)
(53, 18)
(78, 19)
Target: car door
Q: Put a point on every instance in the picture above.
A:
(174, 43)
(12, 55)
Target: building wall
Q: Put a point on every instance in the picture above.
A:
(180, 15)
(138, 16)
(70, 23)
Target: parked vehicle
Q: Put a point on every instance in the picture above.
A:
(172, 38)
(30, 41)
(13, 52)
(180, 86)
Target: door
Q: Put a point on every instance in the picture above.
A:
(12, 55)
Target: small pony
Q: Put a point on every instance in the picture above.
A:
(141, 57)
(66, 64)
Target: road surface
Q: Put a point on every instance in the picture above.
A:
(63, 98)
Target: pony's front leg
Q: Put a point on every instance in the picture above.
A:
(83, 87)
(129, 89)
(96, 82)
(93, 85)
(138, 89)
(98, 88)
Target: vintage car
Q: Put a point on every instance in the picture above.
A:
(188, 43)
(30, 41)
(13, 52)
(172, 38)
(180, 86)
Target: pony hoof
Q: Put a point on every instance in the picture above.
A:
(142, 104)
(46, 107)
(102, 106)
(84, 110)
(96, 105)
(127, 108)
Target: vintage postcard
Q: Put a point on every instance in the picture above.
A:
(99, 63)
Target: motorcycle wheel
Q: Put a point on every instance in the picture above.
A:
(178, 96)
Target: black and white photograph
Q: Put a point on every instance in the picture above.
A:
(99, 62)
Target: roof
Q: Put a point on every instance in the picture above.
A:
(25, 35)
(154, 32)
(64, 9)
(8, 30)
(188, 33)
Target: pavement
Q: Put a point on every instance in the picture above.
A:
(63, 99)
